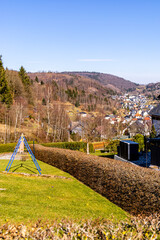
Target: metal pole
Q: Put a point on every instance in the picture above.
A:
(146, 153)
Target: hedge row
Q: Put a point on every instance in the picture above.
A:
(9, 147)
(133, 188)
(80, 146)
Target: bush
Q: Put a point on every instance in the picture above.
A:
(112, 146)
(139, 138)
(9, 147)
(80, 146)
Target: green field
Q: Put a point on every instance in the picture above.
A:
(29, 198)
(103, 154)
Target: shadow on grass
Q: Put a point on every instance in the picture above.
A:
(107, 156)
(25, 166)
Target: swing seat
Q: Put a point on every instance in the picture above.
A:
(23, 158)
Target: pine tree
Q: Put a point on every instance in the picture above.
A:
(36, 79)
(24, 77)
(26, 83)
(5, 93)
(42, 83)
(43, 101)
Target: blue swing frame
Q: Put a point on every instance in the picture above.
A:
(22, 138)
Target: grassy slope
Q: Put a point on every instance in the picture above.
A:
(27, 199)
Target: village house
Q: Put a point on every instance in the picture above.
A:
(107, 117)
(136, 128)
(77, 128)
(83, 114)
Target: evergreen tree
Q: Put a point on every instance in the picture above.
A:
(24, 77)
(42, 83)
(43, 101)
(27, 84)
(153, 132)
(5, 93)
(36, 79)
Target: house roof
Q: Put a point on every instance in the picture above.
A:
(75, 125)
(155, 111)
(147, 118)
(82, 113)
(136, 127)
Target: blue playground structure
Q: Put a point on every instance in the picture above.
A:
(23, 139)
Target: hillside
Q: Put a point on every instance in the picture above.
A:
(108, 80)
(46, 103)
(153, 89)
(54, 195)
(81, 82)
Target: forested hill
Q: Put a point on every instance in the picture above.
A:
(42, 105)
(47, 103)
(108, 80)
(67, 80)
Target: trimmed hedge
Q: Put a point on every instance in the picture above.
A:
(80, 146)
(133, 188)
(9, 147)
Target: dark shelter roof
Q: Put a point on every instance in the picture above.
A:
(155, 111)
(129, 142)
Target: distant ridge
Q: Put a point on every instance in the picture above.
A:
(69, 80)
(108, 80)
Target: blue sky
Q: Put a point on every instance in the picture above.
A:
(120, 37)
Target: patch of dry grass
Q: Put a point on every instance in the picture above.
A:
(137, 228)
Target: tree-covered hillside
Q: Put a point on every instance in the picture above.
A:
(43, 105)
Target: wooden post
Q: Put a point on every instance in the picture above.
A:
(21, 147)
(87, 147)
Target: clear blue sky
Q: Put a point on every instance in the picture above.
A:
(120, 37)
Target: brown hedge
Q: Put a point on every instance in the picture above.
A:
(133, 188)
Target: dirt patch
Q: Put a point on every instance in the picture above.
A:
(7, 156)
(36, 175)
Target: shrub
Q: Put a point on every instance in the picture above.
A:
(9, 147)
(112, 146)
(139, 138)
(80, 146)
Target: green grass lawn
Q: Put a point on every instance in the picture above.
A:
(29, 198)
(103, 154)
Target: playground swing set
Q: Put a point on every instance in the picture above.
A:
(20, 148)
